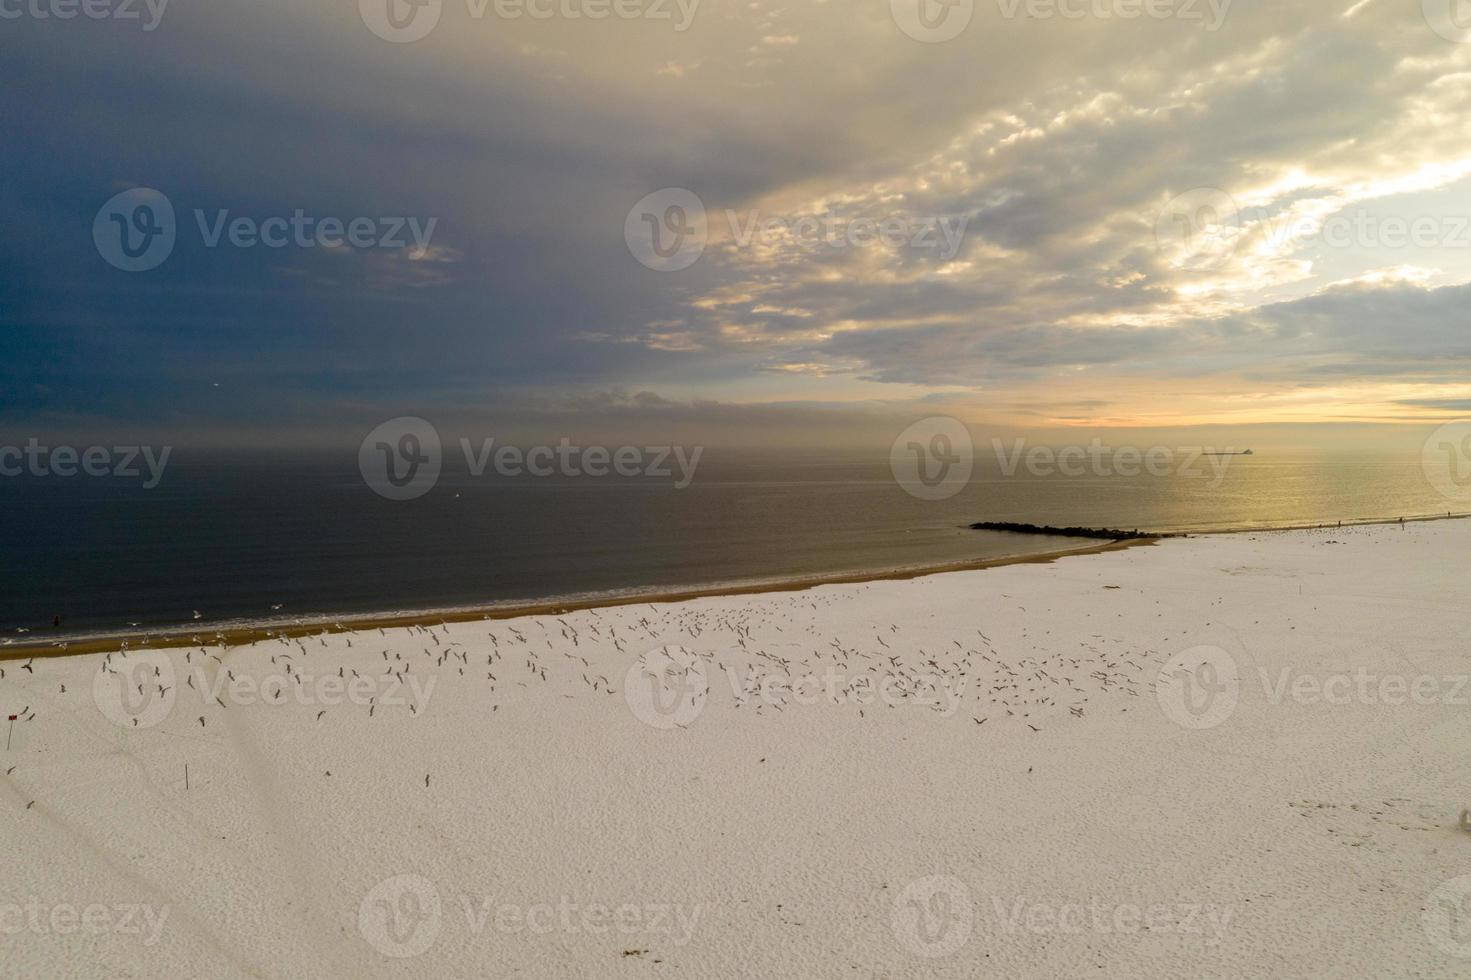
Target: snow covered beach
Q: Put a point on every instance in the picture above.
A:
(1235, 755)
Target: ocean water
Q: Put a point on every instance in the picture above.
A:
(234, 536)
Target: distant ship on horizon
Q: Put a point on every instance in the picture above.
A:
(1244, 452)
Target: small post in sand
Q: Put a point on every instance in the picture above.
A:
(10, 731)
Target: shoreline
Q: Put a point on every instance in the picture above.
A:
(183, 636)
(239, 635)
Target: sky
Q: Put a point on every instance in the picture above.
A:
(775, 221)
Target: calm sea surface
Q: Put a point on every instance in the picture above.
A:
(232, 537)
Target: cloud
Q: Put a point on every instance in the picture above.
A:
(1051, 148)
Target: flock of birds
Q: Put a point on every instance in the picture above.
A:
(759, 653)
(767, 651)
(756, 653)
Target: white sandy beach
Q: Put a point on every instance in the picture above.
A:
(1225, 756)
